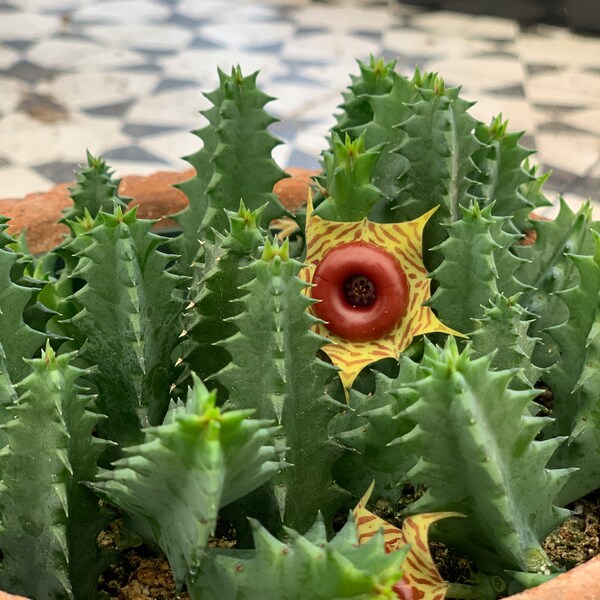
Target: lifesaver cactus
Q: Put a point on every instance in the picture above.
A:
(416, 195)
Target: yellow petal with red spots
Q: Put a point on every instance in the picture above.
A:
(420, 572)
(405, 242)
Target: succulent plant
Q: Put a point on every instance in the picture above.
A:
(399, 337)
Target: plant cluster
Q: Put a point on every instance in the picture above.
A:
(111, 344)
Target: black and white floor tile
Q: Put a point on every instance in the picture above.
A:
(124, 78)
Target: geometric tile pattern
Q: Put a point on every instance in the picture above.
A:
(125, 78)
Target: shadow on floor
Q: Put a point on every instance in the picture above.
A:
(582, 15)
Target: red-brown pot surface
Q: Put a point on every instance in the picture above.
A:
(37, 213)
(581, 583)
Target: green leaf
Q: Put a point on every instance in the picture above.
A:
(174, 483)
(50, 521)
(305, 567)
(130, 319)
(479, 457)
(243, 167)
(526, 581)
(348, 172)
(275, 371)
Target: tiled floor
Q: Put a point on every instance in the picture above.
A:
(124, 78)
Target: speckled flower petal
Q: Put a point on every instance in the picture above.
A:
(405, 242)
(420, 572)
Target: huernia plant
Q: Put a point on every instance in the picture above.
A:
(397, 337)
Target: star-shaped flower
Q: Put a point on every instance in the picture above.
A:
(421, 580)
(372, 284)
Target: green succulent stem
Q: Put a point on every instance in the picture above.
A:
(275, 371)
(217, 283)
(548, 270)
(503, 333)
(96, 190)
(309, 566)
(191, 217)
(134, 323)
(200, 459)
(375, 79)
(478, 456)
(476, 257)
(573, 379)
(50, 520)
(18, 339)
(462, 591)
(127, 289)
(504, 176)
(243, 166)
(348, 173)
(368, 427)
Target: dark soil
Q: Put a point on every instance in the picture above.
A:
(138, 575)
(578, 538)
(143, 573)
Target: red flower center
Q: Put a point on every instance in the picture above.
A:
(363, 291)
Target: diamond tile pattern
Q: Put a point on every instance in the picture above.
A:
(124, 78)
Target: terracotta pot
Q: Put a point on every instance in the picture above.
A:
(37, 213)
(581, 583)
